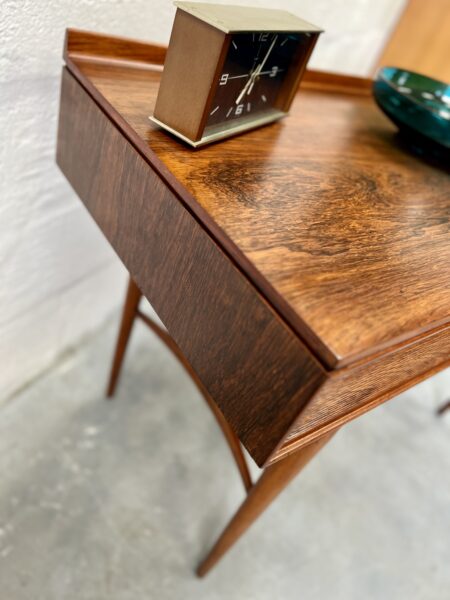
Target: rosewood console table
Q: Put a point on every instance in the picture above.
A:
(302, 270)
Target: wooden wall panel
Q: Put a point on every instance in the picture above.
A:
(421, 40)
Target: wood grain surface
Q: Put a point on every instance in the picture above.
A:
(349, 392)
(326, 220)
(255, 368)
(79, 45)
(343, 229)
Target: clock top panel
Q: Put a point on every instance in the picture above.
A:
(229, 18)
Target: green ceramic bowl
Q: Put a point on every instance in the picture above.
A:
(418, 105)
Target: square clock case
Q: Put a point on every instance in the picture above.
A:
(229, 69)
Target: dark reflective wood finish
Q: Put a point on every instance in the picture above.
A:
(326, 211)
(255, 368)
(328, 205)
(303, 269)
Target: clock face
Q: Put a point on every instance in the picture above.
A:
(253, 74)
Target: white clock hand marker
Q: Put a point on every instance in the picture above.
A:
(249, 85)
(244, 89)
(260, 68)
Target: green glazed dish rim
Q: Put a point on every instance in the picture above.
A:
(430, 81)
(419, 105)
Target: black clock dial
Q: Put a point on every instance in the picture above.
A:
(253, 73)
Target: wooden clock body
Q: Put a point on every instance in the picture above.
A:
(199, 45)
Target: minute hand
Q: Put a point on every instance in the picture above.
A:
(249, 85)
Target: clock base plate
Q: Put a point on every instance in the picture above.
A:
(215, 134)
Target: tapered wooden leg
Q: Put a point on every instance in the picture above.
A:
(128, 317)
(230, 436)
(130, 313)
(443, 408)
(273, 480)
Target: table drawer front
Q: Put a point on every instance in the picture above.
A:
(259, 372)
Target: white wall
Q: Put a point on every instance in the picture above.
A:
(59, 278)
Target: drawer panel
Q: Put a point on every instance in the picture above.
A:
(256, 369)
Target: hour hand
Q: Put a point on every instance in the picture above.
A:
(245, 88)
(250, 83)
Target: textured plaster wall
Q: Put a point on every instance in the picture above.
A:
(59, 278)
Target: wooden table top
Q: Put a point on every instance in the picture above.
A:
(303, 268)
(344, 230)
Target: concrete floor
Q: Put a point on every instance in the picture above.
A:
(120, 500)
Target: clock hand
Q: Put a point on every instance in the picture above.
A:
(260, 67)
(249, 85)
(244, 89)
